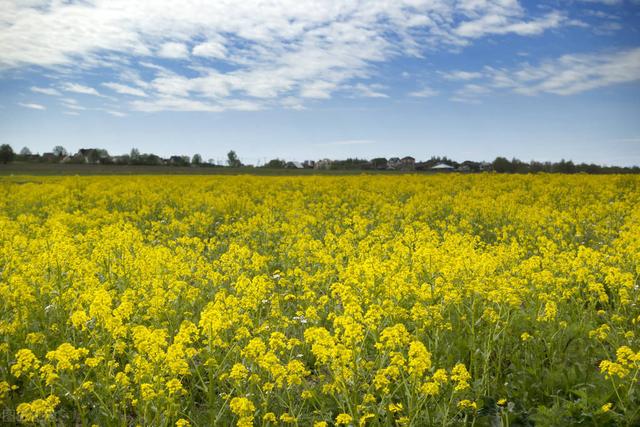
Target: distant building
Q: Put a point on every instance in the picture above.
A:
(323, 164)
(379, 163)
(294, 165)
(49, 157)
(442, 167)
(394, 163)
(408, 163)
(91, 155)
(485, 166)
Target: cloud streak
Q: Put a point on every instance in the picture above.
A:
(566, 75)
(229, 55)
(32, 106)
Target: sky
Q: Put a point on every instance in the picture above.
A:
(301, 79)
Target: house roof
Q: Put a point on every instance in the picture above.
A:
(442, 166)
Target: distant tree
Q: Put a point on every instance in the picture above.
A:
(60, 151)
(196, 160)
(232, 160)
(470, 166)
(565, 167)
(98, 155)
(6, 153)
(518, 166)
(276, 164)
(134, 155)
(379, 163)
(502, 165)
(25, 151)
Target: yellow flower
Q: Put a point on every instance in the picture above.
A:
(242, 407)
(66, 356)
(343, 419)
(460, 374)
(38, 410)
(395, 407)
(431, 388)
(182, 423)
(87, 385)
(5, 388)
(270, 417)
(174, 386)
(26, 363)
(238, 372)
(364, 418)
(147, 392)
(467, 404)
(419, 359)
(606, 407)
(525, 336)
(287, 418)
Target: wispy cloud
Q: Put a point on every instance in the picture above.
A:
(115, 113)
(506, 24)
(45, 90)
(32, 106)
(173, 50)
(78, 88)
(71, 104)
(124, 89)
(425, 92)
(566, 75)
(289, 49)
(368, 91)
(461, 75)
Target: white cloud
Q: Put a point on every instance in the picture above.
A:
(45, 90)
(71, 104)
(211, 49)
(607, 2)
(571, 74)
(461, 75)
(508, 20)
(116, 113)
(272, 50)
(78, 88)
(368, 91)
(566, 75)
(32, 106)
(425, 92)
(124, 89)
(173, 50)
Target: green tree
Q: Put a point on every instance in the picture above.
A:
(276, 164)
(196, 160)
(6, 153)
(232, 160)
(502, 165)
(59, 151)
(25, 151)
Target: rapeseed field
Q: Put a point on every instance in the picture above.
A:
(317, 301)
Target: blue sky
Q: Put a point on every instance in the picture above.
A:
(296, 79)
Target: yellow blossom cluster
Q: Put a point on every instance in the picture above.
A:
(320, 300)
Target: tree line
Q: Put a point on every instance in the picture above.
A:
(436, 163)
